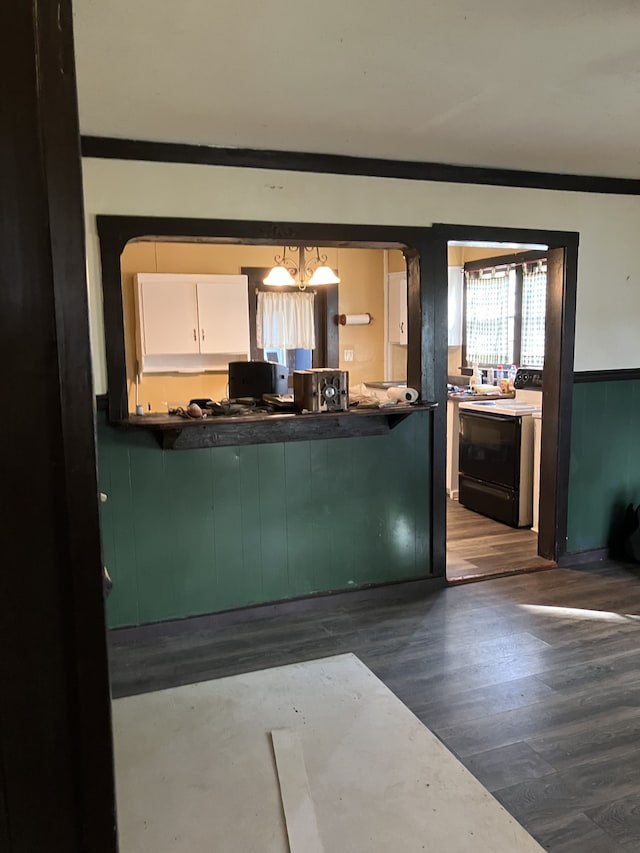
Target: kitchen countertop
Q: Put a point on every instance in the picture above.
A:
(175, 433)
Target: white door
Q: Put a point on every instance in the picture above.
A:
(223, 312)
(397, 308)
(169, 317)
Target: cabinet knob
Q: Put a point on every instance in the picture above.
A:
(402, 327)
(195, 335)
(202, 330)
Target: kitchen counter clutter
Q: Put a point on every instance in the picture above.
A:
(469, 396)
(176, 433)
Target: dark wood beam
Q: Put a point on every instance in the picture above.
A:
(337, 164)
(55, 735)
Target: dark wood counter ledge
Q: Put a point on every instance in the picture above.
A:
(176, 433)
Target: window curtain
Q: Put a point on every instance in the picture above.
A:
(285, 321)
(487, 317)
(534, 299)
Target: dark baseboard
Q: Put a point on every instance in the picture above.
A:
(337, 164)
(626, 373)
(398, 591)
(579, 558)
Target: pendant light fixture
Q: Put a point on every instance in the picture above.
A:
(304, 271)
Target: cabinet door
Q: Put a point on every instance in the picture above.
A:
(223, 312)
(169, 317)
(397, 294)
(456, 279)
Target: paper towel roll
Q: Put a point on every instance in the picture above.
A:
(354, 319)
(403, 395)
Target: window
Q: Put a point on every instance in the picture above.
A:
(285, 327)
(504, 313)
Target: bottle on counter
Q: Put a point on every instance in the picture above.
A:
(476, 376)
(512, 376)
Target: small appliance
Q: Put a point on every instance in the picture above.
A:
(255, 378)
(321, 389)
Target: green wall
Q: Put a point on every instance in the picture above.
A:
(200, 531)
(605, 461)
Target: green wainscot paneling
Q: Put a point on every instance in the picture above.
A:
(200, 531)
(605, 462)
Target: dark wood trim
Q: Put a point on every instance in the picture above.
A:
(116, 231)
(557, 400)
(517, 319)
(102, 402)
(336, 164)
(580, 558)
(330, 332)
(255, 275)
(505, 260)
(177, 434)
(558, 381)
(55, 732)
(408, 590)
(623, 374)
(428, 302)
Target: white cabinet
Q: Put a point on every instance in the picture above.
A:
(397, 307)
(191, 323)
(223, 314)
(453, 447)
(537, 448)
(456, 282)
(169, 316)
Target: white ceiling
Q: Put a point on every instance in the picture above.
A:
(552, 85)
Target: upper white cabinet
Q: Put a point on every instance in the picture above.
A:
(169, 316)
(456, 281)
(223, 314)
(397, 307)
(191, 323)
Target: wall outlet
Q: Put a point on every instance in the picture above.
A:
(347, 355)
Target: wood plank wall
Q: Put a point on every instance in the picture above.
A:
(201, 531)
(605, 461)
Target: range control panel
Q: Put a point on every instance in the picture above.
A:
(529, 378)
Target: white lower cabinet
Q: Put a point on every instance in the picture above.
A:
(453, 445)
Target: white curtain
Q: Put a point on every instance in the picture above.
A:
(285, 321)
(487, 317)
(534, 306)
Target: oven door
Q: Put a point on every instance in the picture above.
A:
(490, 447)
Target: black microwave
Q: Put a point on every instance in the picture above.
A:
(255, 378)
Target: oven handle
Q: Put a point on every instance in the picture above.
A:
(490, 416)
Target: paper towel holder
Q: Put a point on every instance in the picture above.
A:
(353, 319)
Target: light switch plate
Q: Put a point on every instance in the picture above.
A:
(347, 355)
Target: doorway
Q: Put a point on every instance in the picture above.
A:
(479, 542)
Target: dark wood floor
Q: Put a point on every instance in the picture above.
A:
(531, 680)
(479, 547)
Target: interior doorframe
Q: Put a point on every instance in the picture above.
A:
(557, 394)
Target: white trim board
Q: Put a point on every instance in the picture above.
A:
(195, 769)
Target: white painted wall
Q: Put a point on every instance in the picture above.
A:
(608, 273)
